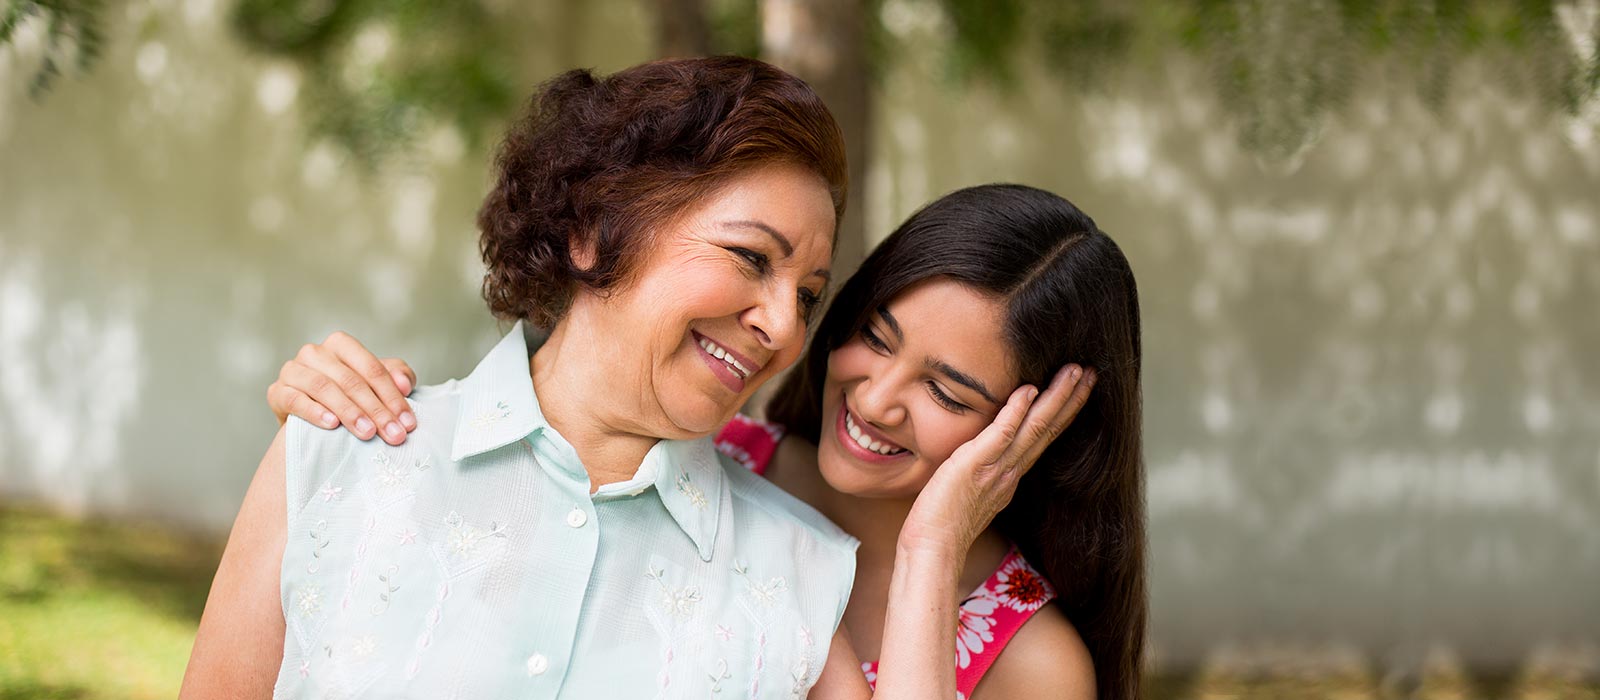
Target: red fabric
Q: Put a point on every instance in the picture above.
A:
(986, 620)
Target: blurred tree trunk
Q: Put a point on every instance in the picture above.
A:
(825, 43)
(681, 29)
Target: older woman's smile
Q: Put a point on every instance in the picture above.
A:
(730, 367)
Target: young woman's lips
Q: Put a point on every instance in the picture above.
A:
(841, 433)
(725, 374)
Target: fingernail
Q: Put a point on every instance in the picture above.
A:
(393, 430)
(1033, 393)
(364, 426)
(329, 420)
(408, 420)
(1075, 373)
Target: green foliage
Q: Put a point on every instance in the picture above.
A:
(72, 35)
(379, 72)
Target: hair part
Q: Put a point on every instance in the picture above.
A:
(600, 164)
(1070, 297)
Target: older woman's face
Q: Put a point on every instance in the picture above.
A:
(927, 373)
(720, 304)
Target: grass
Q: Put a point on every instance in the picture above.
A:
(93, 610)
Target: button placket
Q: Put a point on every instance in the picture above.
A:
(576, 518)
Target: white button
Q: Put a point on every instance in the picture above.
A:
(577, 517)
(537, 664)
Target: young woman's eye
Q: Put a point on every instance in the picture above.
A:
(872, 340)
(944, 399)
(760, 262)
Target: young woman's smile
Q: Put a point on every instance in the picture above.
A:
(911, 386)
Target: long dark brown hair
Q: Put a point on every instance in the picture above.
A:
(1070, 297)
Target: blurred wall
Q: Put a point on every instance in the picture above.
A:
(1372, 364)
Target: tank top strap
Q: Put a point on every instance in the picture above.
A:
(749, 442)
(993, 614)
(988, 619)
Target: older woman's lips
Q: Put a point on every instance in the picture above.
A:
(732, 369)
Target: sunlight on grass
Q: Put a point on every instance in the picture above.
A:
(92, 610)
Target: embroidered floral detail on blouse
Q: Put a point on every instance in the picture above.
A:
(391, 473)
(491, 416)
(973, 628)
(679, 602)
(406, 536)
(695, 495)
(1020, 587)
(319, 537)
(331, 493)
(388, 587)
(305, 669)
(765, 594)
(464, 538)
(364, 646)
(309, 600)
(724, 633)
(719, 676)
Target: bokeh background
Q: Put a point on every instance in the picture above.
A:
(1367, 234)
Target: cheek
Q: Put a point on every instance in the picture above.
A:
(940, 433)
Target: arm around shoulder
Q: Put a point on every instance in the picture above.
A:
(239, 646)
(1047, 659)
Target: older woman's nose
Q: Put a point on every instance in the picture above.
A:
(775, 326)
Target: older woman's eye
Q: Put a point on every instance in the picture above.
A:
(760, 262)
(809, 301)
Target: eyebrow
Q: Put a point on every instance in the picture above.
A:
(939, 366)
(779, 238)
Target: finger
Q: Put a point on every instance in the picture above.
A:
(296, 403)
(1046, 419)
(379, 381)
(991, 444)
(322, 383)
(404, 376)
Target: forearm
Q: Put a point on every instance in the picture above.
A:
(917, 659)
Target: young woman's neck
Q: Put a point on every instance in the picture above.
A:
(576, 394)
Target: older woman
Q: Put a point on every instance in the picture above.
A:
(554, 528)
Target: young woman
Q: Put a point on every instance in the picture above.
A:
(983, 291)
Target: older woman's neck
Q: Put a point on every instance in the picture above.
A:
(577, 392)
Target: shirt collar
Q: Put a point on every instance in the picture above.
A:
(497, 402)
(499, 407)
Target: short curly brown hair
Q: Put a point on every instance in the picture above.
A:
(602, 161)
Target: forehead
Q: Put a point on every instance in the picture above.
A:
(788, 198)
(949, 321)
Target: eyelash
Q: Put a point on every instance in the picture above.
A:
(873, 341)
(809, 300)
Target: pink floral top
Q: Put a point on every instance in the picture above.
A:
(986, 620)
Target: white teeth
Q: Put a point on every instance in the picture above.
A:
(716, 351)
(864, 440)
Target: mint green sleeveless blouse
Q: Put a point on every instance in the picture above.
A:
(472, 562)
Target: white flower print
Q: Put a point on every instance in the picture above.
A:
(680, 602)
(491, 416)
(973, 626)
(309, 600)
(391, 474)
(406, 536)
(738, 453)
(694, 494)
(764, 593)
(364, 646)
(724, 633)
(331, 493)
(464, 538)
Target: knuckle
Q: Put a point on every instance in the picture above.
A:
(351, 382)
(322, 384)
(337, 337)
(306, 351)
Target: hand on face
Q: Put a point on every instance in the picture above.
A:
(978, 480)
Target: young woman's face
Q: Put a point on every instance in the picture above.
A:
(927, 372)
(720, 302)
